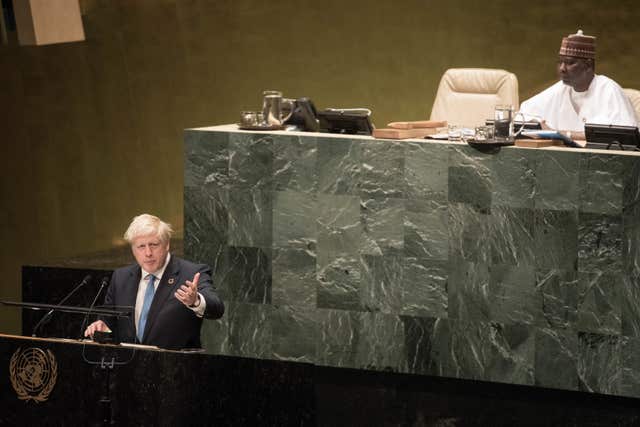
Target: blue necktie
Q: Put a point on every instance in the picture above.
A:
(148, 297)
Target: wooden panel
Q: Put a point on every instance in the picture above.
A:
(393, 133)
(537, 143)
(41, 22)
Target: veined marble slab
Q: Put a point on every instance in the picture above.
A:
(417, 256)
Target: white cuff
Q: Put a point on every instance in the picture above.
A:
(199, 310)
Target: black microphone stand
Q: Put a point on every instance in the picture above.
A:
(103, 283)
(47, 316)
(105, 398)
(107, 362)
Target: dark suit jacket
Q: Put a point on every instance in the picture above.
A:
(170, 324)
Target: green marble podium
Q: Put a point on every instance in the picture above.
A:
(431, 258)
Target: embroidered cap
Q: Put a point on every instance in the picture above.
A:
(578, 45)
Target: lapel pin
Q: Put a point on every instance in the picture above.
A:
(172, 281)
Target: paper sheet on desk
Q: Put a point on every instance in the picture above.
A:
(143, 346)
(438, 136)
(464, 133)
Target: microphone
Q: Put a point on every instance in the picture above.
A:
(47, 316)
(103, 283)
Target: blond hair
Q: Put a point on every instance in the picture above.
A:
(145, 225)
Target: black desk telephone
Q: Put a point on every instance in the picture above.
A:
(304, 115)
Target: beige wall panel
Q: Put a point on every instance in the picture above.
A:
(42, 22)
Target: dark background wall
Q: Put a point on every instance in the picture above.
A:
(92, 131)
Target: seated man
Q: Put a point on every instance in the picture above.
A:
(581, 96)
(170, 295)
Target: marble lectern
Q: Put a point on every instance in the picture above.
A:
(520, 266)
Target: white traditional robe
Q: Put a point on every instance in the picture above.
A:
(603, 103)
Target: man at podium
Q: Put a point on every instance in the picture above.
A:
(170, 295)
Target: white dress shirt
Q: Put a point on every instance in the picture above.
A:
(142, 288)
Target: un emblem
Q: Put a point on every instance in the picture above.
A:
(33, 373)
